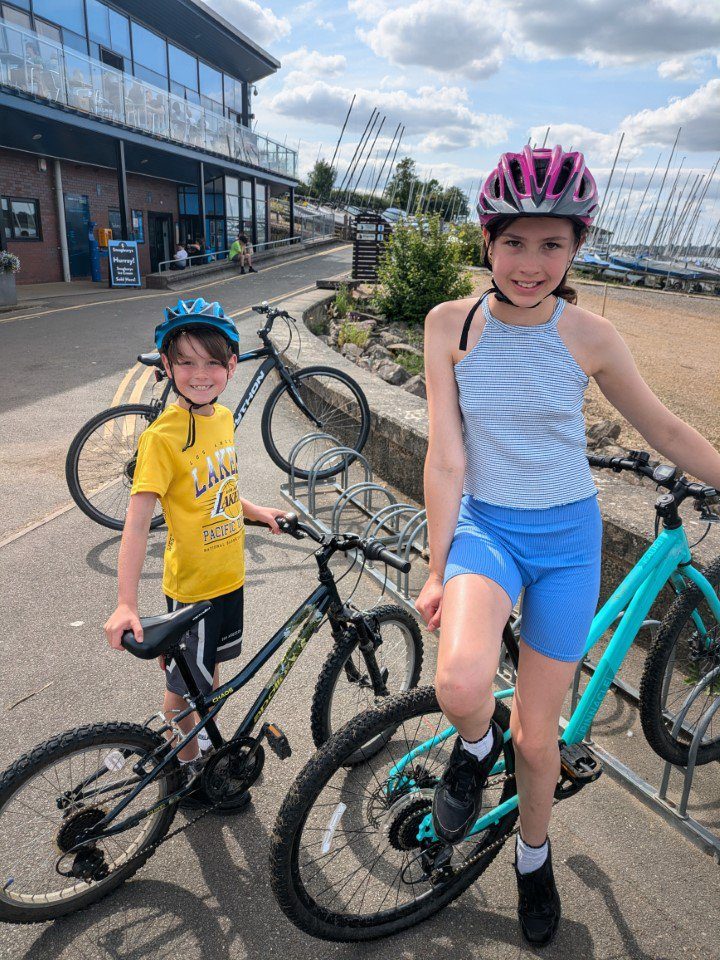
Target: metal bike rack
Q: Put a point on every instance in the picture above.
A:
(403, 528)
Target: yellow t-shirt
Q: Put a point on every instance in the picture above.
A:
(205, 549)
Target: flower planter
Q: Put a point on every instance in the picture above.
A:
(8, 293)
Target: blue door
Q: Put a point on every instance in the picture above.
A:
(77, 225)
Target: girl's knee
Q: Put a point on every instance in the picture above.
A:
(461, 693)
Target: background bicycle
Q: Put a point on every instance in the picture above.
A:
(354, 853)
(100, 463)
(81, 813)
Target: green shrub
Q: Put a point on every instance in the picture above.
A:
(411, 362)
(350, 333)
(343, 301)
(471, 243)
(420, 268)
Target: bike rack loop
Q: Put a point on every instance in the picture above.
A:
(298, 447)
(351, 456)
(348, 496)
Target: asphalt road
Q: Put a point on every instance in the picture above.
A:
(631, 886)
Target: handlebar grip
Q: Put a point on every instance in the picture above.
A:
(374, 550)
(598, 461)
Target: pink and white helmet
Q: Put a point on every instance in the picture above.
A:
(546, 183)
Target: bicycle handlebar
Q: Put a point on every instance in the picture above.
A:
(664, 475)
(342, 543)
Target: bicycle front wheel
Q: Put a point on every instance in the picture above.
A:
(346, 863)
(338, 407)
(54, 796)
(344, 688)
(100, 464)
(678, 668)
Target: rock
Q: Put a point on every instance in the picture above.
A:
(404, 348)
(602, 432)
(352, 351)
(387, 336)
(377, 352)
(416, 386)
(392, 372)
(362, 320)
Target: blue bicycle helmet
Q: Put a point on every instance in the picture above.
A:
(197, 313)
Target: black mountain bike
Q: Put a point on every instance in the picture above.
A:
(100, 463)
(82, 812)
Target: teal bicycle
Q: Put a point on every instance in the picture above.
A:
(354, 855)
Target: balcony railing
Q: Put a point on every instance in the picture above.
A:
(35, 65)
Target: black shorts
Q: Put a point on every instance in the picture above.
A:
(214, 639)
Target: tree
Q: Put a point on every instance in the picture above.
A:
(321, 180)
(401, 182)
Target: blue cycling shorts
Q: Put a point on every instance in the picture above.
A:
(554, 553)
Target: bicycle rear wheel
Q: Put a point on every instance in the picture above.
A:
(337, 404)
(345, 862)
(100, 464)
(686, 651)
(51, 797)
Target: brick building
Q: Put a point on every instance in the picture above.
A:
(135, 116)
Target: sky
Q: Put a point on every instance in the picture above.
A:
(471, 79)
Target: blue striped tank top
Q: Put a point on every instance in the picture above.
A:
(521, 394)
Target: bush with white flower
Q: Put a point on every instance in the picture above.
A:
(9, 262)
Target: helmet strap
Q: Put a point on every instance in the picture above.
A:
(190, 441)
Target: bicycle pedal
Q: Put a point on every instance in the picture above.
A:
(277, 741)
(578, 763)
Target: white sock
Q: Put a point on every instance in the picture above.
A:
(527, 858)
(204, 741)
(479, 748)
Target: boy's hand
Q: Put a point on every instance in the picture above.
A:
(124, 618)
(268, 516)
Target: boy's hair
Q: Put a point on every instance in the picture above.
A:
(214, 343)
(498, 226)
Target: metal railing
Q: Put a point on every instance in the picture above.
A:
(43, 68)
(212, 256)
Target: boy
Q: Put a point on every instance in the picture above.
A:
(187, 459)
(241, 251)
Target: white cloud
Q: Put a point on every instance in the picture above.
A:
(442, 35)
(442, 113)
(257, 22)
(698, 114)
(597, 147)
(312, 63)
(446, 35)
(682, 68)
(325, 24)
(393, 81)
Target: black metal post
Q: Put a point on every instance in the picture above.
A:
(292, 212)
(125, 222)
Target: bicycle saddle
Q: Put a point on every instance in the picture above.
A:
(160, 634)
(151, 359)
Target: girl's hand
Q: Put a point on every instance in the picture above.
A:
(268, 515)
(124, 618)
(429, 602)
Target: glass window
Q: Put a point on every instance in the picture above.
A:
(183, 67)
(48, 30)
(137, 231)
(119, 33)
(75, 41)
(232, 186)
(149, 49)
(114, 222)
(98, 22)
(211, 85)
(142, 73)
(68, 13)
(21, 219)
(17, 17)
(12, 15)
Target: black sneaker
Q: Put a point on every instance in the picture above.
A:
(458, 796)
(242, 269)
(538, 903)
(252, 270)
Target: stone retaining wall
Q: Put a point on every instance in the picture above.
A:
(398, 444)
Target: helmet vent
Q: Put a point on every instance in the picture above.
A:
(517, 175)
(541, 167)
(564, 175)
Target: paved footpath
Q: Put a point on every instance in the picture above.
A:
(632, 887)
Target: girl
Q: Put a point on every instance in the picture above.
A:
(510, 499)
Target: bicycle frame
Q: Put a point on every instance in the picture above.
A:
(307, 617)
(668, 558)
